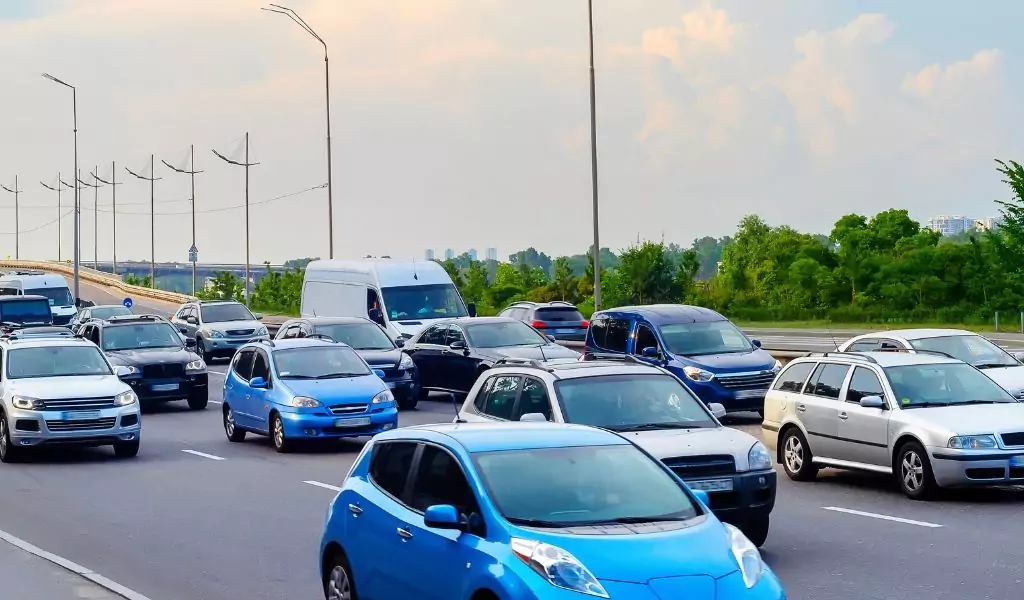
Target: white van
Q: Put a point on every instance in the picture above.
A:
(39, 283)
(410, 294)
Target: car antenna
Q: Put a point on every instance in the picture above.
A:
(542, 355)
(455, 405)
(828, 328)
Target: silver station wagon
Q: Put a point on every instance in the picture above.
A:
(930, 420)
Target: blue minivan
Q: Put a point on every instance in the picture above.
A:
(704, 349)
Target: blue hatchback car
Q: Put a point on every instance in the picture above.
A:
(518, 511)
(711, 355)
(304, 389)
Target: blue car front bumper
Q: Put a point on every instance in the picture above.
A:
(314, 426)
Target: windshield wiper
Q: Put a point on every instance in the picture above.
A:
(300, 377)
(538, 523)
(992, 366)
(979, 402)
(637, 520)
(652, 426)
(339, 375)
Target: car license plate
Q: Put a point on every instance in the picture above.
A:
(711, 485)
(748, 394)
(360, 422)
(563, 331)
(165, 387)
(81, 415)
(1016, 461)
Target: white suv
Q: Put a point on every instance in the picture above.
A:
(930, 420)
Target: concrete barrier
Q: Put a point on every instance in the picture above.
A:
(97, 277)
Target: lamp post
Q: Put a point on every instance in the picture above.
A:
(113, 211)
(17, 230)
(193, 252)
(57, 188)
(593, 161)
(294, 16)
(74, 114)
(95, 219)
(245, 164)
(152, 179)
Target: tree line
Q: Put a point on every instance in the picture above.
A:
(884, 268)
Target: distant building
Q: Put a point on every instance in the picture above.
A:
(472, 253)
(492, 254)
(986, 224)
(429, 254)
(950, 224)
(449, 254)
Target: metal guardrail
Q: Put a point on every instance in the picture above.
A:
(98, 277)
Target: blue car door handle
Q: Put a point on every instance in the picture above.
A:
(404, 534)
(355, 510)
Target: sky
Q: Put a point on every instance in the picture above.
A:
(465, 123)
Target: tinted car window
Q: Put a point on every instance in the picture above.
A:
(616, 336)
(440, 480)
(598, 331)
(259, 366)
(793, 378)
(501, 401)
(863, 383)
(434, 335)
(390, 466)
(503, 334)
(644, 339)
(25, 311)
(863, 346)
(827, 380)
(533, 399)
(243, 364)
(630, 402)
(558, 314)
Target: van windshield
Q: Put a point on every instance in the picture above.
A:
(439, 301)
(26, 312)
(57, 296)
(699, 339)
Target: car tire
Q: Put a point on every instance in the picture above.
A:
(281, 443)
(756, 530)
(198, 402)
(201, 350)
(127, 449)
(235, 433)
(9, 453)
(797, 459)
(408, 403)
(913, 471)
(338, 581)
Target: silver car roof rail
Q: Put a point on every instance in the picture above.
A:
(850, 355)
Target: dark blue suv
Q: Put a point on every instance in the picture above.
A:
(704, 349)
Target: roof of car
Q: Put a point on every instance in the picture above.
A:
(497, 437)
(916, 334)
(664, 314)
(307, 342)
(124, 319)
(44, 341)
(884, 359)
(479, 320)
(107, 306)
(576, 369)
(24, 298)
(332, 320)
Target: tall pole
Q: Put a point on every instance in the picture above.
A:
(17, 229)
(593, 161)
(152, 179)
(74, 114)
(192, 251)
(294, 16)
(57, 188)
(113, 194)
(245, 164)
(95, 217)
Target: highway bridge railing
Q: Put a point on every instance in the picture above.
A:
(98, 277)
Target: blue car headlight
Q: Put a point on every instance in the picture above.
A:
(558, 567)
(384, 397)
(748, 559)
(304, 402)
(758, 457)
(695, 374)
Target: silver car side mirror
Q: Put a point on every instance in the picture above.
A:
(872, 402)
(534, 418)
(717, 409)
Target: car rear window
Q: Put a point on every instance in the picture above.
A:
(558, 314)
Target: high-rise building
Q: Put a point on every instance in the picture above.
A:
(472, 253)
(492, 254)
(986, 224)
(950, 224)
(429, 254)
(449, 254)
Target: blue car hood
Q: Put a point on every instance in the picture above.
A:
(700, 549)
(331, 392)
(758, 360)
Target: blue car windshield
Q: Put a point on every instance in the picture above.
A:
(439, 301)
(319, 362)
(631, 403)
(56, 361)
(699, 339)
(581, 485)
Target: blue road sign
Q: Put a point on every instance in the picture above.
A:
(127, 302)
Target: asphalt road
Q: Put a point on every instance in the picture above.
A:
(105, 295)
(195, 517)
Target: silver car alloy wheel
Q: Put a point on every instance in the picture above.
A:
(278, 432)
(3, 437)
(338, 586)
(229, 421)
(912, 468)
(794, 454)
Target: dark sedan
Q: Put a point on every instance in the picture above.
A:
(371, 343)
(161, 368)
(451, 354)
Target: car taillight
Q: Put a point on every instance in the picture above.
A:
(585, 324)
(538, 324)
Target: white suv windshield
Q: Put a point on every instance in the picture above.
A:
(972, 349)
(55, 361)
(222, 313)
(944, 384)
(631, 403)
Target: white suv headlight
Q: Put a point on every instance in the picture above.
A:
(747, 557)
(972, 442)
(758, 458)
(262, 331)
(695, 374)
(777, 366)
(126, 398)
(214, 333)
(25, 403)
(406, 362)
(196, 365)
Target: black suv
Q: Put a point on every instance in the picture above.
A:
(161, 367)
(560, 320)
(19, 312)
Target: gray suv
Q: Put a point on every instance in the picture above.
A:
(648, 406)
(219, 327)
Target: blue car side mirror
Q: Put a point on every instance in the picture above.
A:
(378, 373)
(650, 352)
(443, 516)
(702, 496)
(258, 383)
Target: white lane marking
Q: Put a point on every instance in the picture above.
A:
(76, 568)
(860, 513)
(215, 402)
(326, 486)
(204, 455)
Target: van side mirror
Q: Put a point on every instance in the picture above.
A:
(650, 352)
(872, 402)
(471, 309)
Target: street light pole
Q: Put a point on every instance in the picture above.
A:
(245, 164)
(17, 230)
(60, 217)
(95, 219)
(152, 179)
(192, 251)
(74, 114)
(113, 211)
(294, 16)
(593, 161)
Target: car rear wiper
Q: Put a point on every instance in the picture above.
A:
(655, 426)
